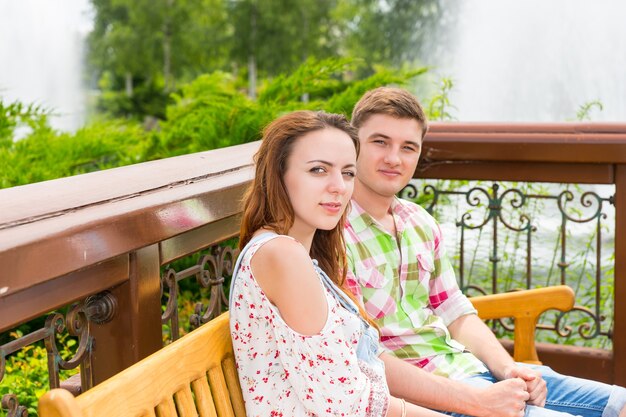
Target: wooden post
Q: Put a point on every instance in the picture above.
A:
(135, 331)
(619, 320)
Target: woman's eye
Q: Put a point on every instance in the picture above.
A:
(317, 170)
(350, 174)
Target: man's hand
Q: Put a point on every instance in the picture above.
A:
(505, 399)
(535, 384)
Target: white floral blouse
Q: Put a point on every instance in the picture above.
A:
(284, 373)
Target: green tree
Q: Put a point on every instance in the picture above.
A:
(142, 47)
(389, 32)
(276, 36)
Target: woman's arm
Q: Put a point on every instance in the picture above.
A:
(400, 408)
(283, 269)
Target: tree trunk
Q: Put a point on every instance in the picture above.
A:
(305, 44)
(128, 84)
(252, 64)
(252, 76)
(167, 48)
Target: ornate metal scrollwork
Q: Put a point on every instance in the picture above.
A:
(587, 199)
(13, 407)
(77, 325)
(222, 263)
(171, 308)
(76, 322)
(517, 200)
(409, 192)
(494, 208)
(209, 272)
(101, 308)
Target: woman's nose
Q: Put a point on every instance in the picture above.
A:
(337, 184)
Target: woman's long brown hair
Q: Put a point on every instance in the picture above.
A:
(266, 203)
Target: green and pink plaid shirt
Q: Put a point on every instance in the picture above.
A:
(407, 284)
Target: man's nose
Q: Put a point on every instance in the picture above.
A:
(392, 157)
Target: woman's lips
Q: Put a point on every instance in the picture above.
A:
(332, 207)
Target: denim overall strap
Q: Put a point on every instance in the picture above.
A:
(240, 257)
(346, 303)
(367, 347)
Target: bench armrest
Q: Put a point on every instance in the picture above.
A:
(524, 307)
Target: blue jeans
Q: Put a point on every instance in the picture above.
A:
(567, 395)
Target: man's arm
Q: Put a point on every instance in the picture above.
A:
(480, 340)
(457, 312)
(505, 398)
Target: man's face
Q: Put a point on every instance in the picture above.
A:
(390, 149)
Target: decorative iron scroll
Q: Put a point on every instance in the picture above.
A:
(13, 407)
(499, 211)
(210, 272)
(98, 309)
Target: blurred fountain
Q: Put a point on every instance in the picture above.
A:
(41, 56)
(536, 60)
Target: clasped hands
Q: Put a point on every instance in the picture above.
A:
(520, 386)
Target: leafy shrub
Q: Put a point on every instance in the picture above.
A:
(208, 113)
(27, 372)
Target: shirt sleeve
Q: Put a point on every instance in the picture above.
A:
(355, 288)
(326, 374)
(445, 296)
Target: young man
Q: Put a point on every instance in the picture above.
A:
(451, 360)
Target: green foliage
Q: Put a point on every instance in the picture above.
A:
(46, 154)
(439, 105)
(147, 98)
(26, 377)
(278, 36)
(208, 113)
(142, 50)
(139, 49)
(16, 114)
(584, 111)
(211, 112)
(26, 371)
(391, 32)
(344, 101)
(318, 79)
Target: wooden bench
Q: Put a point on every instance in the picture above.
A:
(196, 375)
(193, 376)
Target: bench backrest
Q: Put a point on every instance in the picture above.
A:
(193, 376)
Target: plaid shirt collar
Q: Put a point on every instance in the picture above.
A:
(361, 220)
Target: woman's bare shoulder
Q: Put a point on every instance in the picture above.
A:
(285, 272)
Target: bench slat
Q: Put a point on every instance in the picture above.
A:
(184, 403)
(204, 399)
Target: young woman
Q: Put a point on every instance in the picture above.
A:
(302, 346)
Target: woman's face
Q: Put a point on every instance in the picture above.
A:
(320, 179)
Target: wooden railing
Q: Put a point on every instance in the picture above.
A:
(108, 234)
(62, 241)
